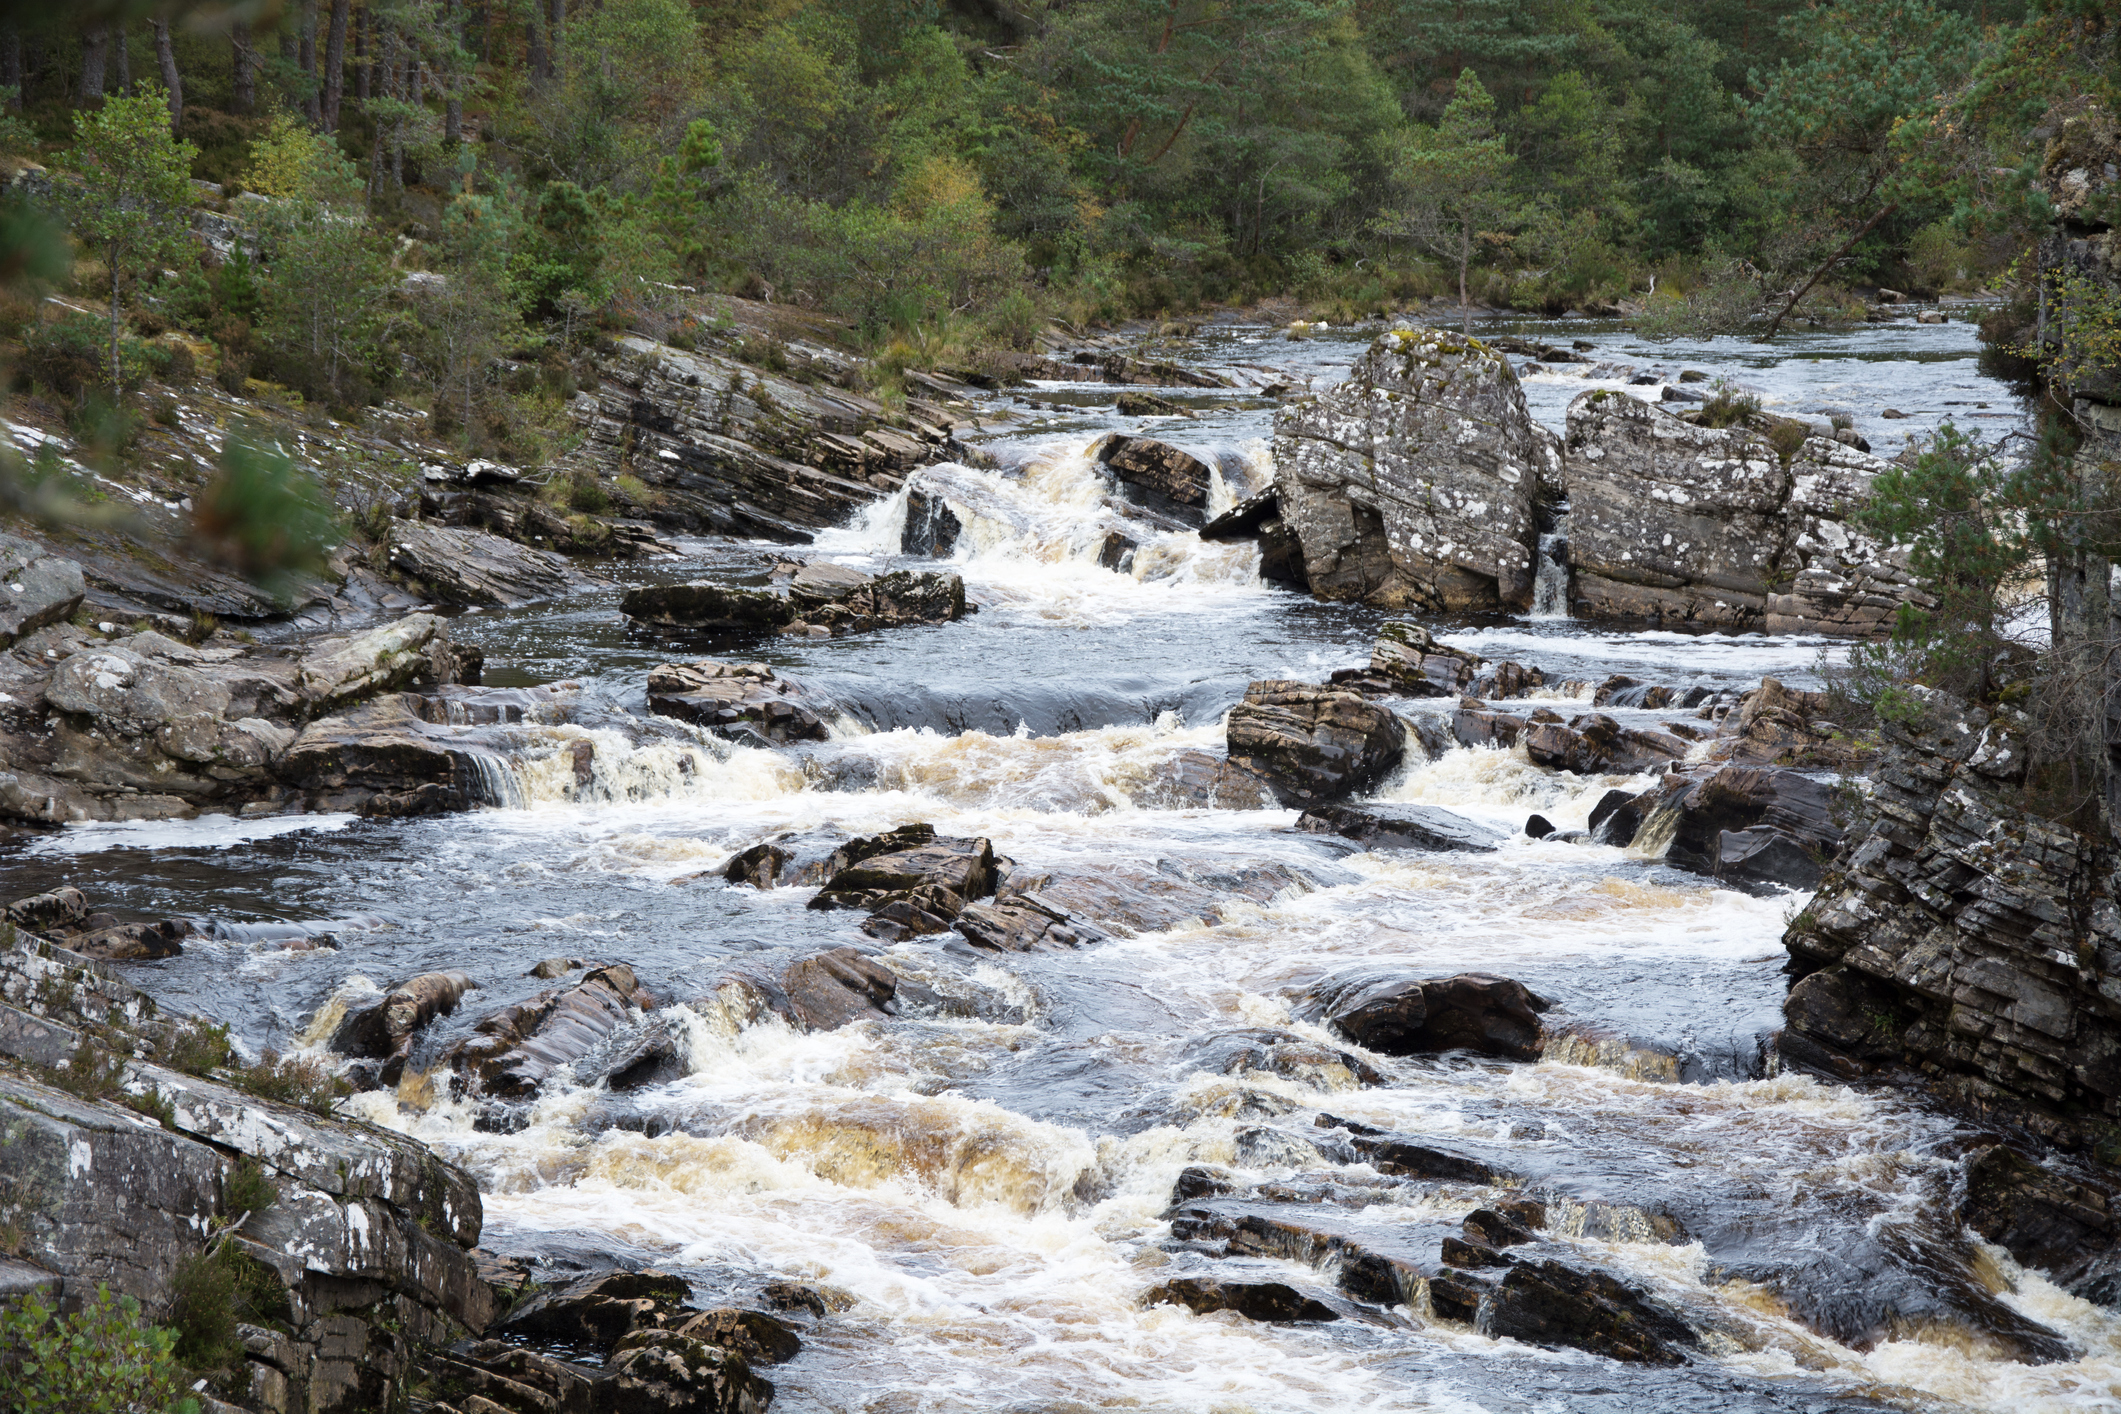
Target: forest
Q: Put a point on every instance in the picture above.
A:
(937, 176)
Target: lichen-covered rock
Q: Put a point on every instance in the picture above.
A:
(1415, 483)
(743, 701)
(1672, 522)
(36, 588)
(1313, 743)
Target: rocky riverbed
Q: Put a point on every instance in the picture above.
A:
(1001, 951)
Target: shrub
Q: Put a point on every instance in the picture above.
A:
(1786, 435)
(102, 1359)
(246, 1189)
(1729, 407)
(197, 1047)
(295, 1081)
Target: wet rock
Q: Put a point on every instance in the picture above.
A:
(387, 1030)
(1398, 1155)
(132, 942)
(514, 1050)
(596, 1312)
(1506, 679)
(1258, 518)
(761, 1339)
(1024, 923)
(1477, 724)
(963, 867)
(459, 565)
(1672, 523)
(1471, 1256)
(1409, 656)
(1271, 1052)
(1548, 1304)
(60, 909)
(2041, 1217)
(707, 606)
(1163, 477)
(1506, 1225)
(552, 967)
(1594, 744)
(1402, 1017)
(1311, 743)
(1197, 777)
(1395, 501)
(830, 989)
(1149, 405)
(1619, 814)
(932, 528)
(1422, 827)
(894, 600)
(743, 701)
(1254, 1300)
(663, 1372)
(387, 746)
(36, 588)
(1751, 825)
(1538, 827)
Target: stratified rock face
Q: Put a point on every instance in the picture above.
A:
(1313, 743)
(458, 565)
(36, 588)
(735, 450)
(1675, 523)
(1162, 476)
(1413, 484)
(1961, 935)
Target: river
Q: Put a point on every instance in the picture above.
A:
(987, 1186)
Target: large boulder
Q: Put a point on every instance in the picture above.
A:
(1414, 483)
(743, 701)
(1547, 1303)
(1594, 744)
(707, 606)
(1408, 656)
(386, 1031)
(1673, 522)
(1313, 743)
(36, 588)
(1399, 1016)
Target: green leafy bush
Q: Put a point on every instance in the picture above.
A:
(103, 1359)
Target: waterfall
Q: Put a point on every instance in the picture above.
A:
(1550, 581)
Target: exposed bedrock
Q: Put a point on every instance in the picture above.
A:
(736, 450)
(1959, 936)
(827, 599)
(1417, 482)
(1312, 743)
(1674, 523)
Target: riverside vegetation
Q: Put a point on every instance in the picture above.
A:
(326, 321)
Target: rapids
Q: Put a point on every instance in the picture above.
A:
(987, 1189)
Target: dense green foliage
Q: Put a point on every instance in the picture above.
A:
(102, 1359)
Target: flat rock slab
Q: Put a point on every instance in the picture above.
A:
(1419, 827)
(36, 588)
(458, 565)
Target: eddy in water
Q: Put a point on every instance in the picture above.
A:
(1147, 914)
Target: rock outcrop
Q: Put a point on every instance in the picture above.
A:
(36, 588)
(457, 565)
(826, 599)
(736, 450)
(1416, 483)
(1960, 937)
(1312, 743)
(1675, 523)
(1160, 476)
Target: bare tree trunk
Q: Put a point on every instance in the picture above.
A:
(243, 73)
(166, 60)
(364, 27)
(95, 47)
(122, 58)
(556, 36)
(335, 63)
(1465, 258)
(312, 102)
(535, 61)
(11, 64)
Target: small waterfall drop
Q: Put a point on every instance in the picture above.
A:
(1550, 581)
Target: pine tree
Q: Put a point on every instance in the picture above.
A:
(1456, 177)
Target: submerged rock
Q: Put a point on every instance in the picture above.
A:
(1403, 1017)
(1423, 827)
(738, 700)
(1414, 482)
(1313, 743)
